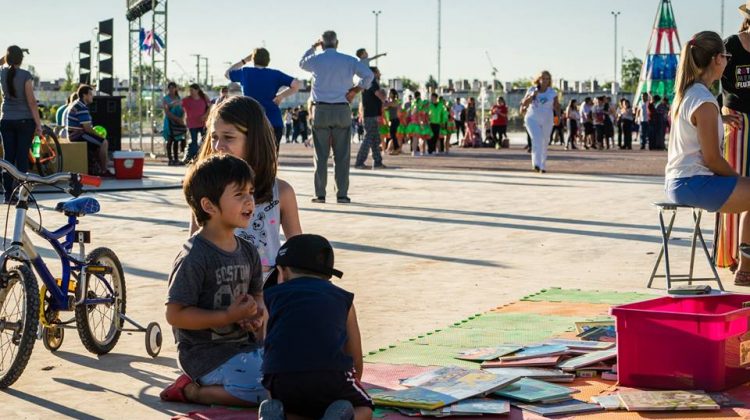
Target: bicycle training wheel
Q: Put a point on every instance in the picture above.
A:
(50, 158)
(99, 324)
(19, 321)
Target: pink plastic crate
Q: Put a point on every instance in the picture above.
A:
(684, 343)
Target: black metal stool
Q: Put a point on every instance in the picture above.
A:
(666, 232)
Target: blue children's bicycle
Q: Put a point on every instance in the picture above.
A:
(92, 285)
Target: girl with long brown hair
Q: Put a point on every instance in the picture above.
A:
(697, 173)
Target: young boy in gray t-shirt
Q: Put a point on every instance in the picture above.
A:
(215, 299)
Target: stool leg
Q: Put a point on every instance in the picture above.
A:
(705, 251)
(666, 232)
(696, 229)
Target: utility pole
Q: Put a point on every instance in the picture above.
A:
(377, 14)
(438, 41)
(614, 82)
(205, 73)
(197, 67)
(722, 18)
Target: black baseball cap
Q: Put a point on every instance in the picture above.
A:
(308, 252)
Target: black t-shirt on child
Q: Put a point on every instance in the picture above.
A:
(735, 82)
(372, 106)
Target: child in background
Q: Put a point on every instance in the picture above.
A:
(313, 351)
(215, 298)
(364, 57)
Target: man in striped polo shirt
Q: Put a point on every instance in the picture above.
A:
(79, 127)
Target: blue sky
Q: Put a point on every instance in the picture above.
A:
(571, 38)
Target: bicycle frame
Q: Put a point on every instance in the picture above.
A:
(62, 240)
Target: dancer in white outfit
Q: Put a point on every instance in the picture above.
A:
(541, 100)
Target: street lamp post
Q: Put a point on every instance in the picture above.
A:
(377, 15)
(614, 82)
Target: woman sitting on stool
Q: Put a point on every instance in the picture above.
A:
(697, 174)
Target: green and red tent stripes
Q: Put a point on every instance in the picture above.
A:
(663, 54)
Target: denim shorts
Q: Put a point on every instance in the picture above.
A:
(241, 376)
(708, 192)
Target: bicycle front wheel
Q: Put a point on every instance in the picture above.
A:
(19, 321)
(50, 160)
(99, 324)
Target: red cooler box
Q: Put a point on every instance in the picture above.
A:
(684, 342)
(129, 165)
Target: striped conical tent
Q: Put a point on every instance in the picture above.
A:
(663, 54)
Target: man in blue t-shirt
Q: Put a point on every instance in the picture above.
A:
(79, 126)
(312, 361)
(263, 84)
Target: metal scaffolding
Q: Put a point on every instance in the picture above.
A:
(147, 75)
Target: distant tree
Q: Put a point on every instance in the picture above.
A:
(431, 84)
(69, 84)
(409, 84)
(631, 72)
(607, 86)
(34, 75)
(523, 83)
(145, 71)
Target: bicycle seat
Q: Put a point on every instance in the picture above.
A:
(80, 206)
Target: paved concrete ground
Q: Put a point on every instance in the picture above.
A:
(419, 248)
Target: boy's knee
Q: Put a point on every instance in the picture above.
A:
(362, 413)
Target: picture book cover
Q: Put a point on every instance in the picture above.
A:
(441, 387)
(585, 325)
(668, 401)
(582, 345)
(725, 400)
(532, 390)
(587, 359)
(606, 334)
(609, 402)
(487, 353)
(535, 362)
(571, 406)
(474, 406)
(543, 374)
(537, 351)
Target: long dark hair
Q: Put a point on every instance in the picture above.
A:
(248, 116)
(14, 58)
(200, 91)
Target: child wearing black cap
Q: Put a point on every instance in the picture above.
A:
(312, 361)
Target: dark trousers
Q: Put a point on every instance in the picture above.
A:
(371, 142)
(627, 134)
(192, 149)
(17, 137)
(288, 132)
(278, 133)
(393, 131)
(498, 131)
(460, 129)
(332, 129)
(572, 133)
(432, 141)
(645, 134)
(173, 147)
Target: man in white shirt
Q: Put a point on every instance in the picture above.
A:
(457, 110)
(641, 116)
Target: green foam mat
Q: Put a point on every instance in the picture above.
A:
(493, 328)
(587, 296)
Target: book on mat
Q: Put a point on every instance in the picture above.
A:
(587, 359)
(609, 402)
(536, 351)
(532, 390)
(585, 325)
(550, 361)
(474, 406)
(571, 406)
(487, 353)
(607, 334)
(542, 374)
(725, 400)
(668, 401)
(582, 345)
(441, 387)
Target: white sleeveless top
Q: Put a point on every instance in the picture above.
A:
(685, 158)
(264, 231)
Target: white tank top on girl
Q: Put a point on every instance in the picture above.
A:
(685, 158)
(264, 231)
(542, 105)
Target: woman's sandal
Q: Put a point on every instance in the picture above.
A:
(175, 391)
(742, 278)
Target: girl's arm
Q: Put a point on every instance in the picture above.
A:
(705, 119)
(31, 100)
(353, 346)
(289, 210)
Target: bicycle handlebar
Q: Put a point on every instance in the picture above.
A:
(75, 181)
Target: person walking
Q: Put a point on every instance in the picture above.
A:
(19, 115)
(196, 106)
(499, 118)
(469, 139)
(332, 94)
(541, 100)
(393, 109)
(288, 125)
(572, 117)
(372, 111)
(626, 119)
(174, 128)
(263, 84)
(438, 118)
(458, 111)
